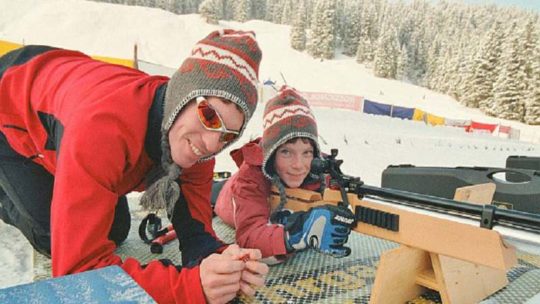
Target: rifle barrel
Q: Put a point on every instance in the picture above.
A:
(505, 217)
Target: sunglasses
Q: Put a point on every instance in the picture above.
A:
(211, 120)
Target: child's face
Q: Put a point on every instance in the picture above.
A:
(293, 162)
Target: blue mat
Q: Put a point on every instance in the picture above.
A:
(105, 285)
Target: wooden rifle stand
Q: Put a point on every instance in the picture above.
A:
(464, 263)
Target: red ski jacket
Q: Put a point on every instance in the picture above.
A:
(243, 204)
(95, 126)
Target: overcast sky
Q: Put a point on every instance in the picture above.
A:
(526, 4)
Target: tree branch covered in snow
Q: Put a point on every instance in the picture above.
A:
(485, 56)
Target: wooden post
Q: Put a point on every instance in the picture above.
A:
(135, 57)
(397, 275)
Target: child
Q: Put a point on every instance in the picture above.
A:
(282, 157)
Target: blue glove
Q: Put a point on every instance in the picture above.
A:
(324, 228)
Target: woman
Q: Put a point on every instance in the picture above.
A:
(282, 157)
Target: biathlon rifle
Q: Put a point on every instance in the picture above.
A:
(465, 263)
(488, 215)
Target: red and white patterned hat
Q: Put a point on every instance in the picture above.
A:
(224, 64)
(286, 116)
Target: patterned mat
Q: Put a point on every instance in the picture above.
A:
(311, 277)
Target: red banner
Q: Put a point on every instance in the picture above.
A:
(504, 129)
(329, 100)
(478, 127)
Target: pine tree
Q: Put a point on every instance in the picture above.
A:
(322, 39)
(328, 37)
(298, 30)
(508, 90)
(192, 6)
(528, 40)
(434, 53)
(485, 70)
(258, 9)
(339, 23)
(278, 11)
(386, 53)
(456, 80)
(270, 8)
(209, 10)
(364, 52)
(310, 12)
(532, 105)
(162, 4)
(439, 68)
(465, 75)
(417, 55)
(403, 64)
(351, 30)
(241, 10)
(287, 13)
(225, 11)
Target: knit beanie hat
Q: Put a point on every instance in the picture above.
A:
(224, 64)
(286, 116)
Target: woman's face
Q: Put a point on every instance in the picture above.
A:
(293, 162)
(190, 140)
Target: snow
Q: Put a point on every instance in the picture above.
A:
(367, 143)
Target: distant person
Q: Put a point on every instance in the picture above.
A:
(77, 134)
(282, 157)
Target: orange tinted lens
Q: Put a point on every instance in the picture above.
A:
(228, 137)
(209, 116)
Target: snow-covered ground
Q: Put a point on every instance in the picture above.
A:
(367, 143)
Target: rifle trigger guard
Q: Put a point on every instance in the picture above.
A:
(488, 213)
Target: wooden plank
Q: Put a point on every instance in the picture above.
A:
(427, 279)
(468, 283)
(481, 194)
(439, 278)
(395, 281)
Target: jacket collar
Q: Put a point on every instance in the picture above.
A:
(152, 142)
